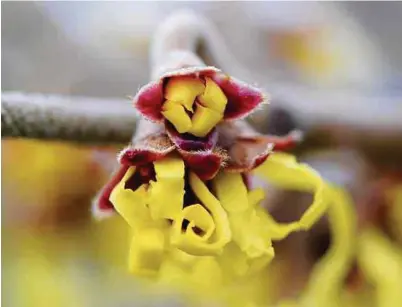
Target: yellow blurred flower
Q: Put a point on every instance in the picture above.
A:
(52, 183)
(378, 258)
(381, 263)
(394, 213)
(327, 279)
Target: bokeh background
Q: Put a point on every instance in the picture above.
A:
(334, 70)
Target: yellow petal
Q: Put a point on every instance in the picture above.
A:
(213, 97)
(131, 205)
(204, 120)
(147, 251)
(327, 278)
(207, 274)
(259, 263)
(201, 225)
(249, 235)
(220, 237)
(273, 229)
(165, 195)
(231, 191)
(184, 90)
(267, 224)
(233, 261)
(176, 114)
(212, 205)
(187, 239)
(283, 170)
(245, 224)
(255, 196)
(381, 263)
(183, 259)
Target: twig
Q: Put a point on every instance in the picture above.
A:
(67, 118)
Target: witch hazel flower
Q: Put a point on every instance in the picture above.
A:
(183, 184)
(188, 191)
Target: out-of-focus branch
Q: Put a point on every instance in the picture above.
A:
(67, 118)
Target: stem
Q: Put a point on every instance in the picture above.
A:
(175, 42)
(56, 117)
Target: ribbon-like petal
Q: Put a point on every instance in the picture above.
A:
(328, 276)
(283, 170)
(205, 245)
(147, 251)
(131, 205)
(244, 222)
(165, 195)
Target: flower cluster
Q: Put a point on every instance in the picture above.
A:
(184, 184)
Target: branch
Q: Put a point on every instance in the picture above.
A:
(66, 118)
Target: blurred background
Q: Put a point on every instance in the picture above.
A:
(334, 70)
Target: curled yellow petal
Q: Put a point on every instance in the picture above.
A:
(327, 278)
(203, 120)
(213, 97)
(166, 193)
(212, 205)
(200, 223)
(131, 205)
(231, 191)
(184, 90)
(381, 263)
(246, 226)
(219, 238)
(147, 251)
(273, 229)
(268, 226)
(177, 115)
(283, 170)
(196, 237)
